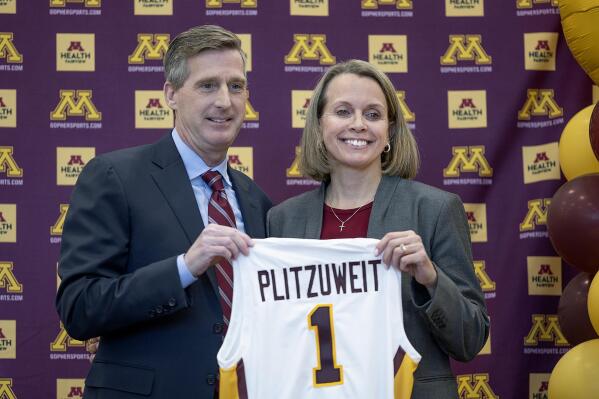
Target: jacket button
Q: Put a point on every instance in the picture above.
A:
(210, 379)
(172, 302)
(159, 309)
(217, 328)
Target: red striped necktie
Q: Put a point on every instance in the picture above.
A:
(220, 212)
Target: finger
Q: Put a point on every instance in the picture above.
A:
(91, 345)
(93, 340)
(242, 243)
(411, 261)
(232, 243)
(395, 256)
(405, 250)
(216, 230)
(224, 252)
(389, 256)
(236, 242)
(393, 245)
(384, 242)
(218, 251)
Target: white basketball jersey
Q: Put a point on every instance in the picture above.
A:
(316, 319)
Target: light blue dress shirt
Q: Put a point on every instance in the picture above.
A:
(195, 167)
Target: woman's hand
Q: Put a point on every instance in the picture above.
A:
(404, 250)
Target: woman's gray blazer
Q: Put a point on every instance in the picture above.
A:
(454, 321)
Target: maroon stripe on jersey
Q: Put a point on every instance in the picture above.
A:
(241, 387)
(399, 355)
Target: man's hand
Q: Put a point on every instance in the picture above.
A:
(91, 345)
(214, 243)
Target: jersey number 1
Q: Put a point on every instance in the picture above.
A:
(327, 372)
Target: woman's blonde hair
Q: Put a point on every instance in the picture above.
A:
(402, 159)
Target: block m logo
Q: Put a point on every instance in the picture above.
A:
(250, 113)
(540, 102)
(149, 46)
(8, 164)
(545, 269)
(543, 45)
(483, 278)
(309, 47)
(541, 157)
(63, 341)
(6, 391)
(8, 281)
(293, 171)
(408, 114)
(537, 214)
(545, 328)
(465, 48)
(468, 159)
(154, 103)
(75, 103)
(56, 230)
(75, 392)
(374, 4)
(8, 49)
(76, 46)
(475, 386)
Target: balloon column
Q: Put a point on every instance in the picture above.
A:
(573, 226)
(573, 218)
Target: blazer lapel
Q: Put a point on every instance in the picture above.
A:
(173, 182)
(381, 222)
(382, 200)
(313, 213)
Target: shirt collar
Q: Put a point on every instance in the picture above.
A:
(194, 164)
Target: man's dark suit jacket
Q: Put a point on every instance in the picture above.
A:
(131, 213)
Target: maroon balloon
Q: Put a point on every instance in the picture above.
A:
(573, 222)
(594, 130)
(572, 311)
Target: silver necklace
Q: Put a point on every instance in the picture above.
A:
(342, 225)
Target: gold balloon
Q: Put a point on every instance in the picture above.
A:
(575, 374)
(579, 22)
(593, 303)
(576, 155)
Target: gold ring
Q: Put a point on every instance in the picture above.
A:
(402, 247)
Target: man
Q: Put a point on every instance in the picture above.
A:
(137, 250)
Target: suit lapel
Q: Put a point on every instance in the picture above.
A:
(252, 218)
(172, 180)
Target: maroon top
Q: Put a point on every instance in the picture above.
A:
(354, 227)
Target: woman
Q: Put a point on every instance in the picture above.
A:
(357, 144)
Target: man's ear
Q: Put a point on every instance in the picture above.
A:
(169, 95)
